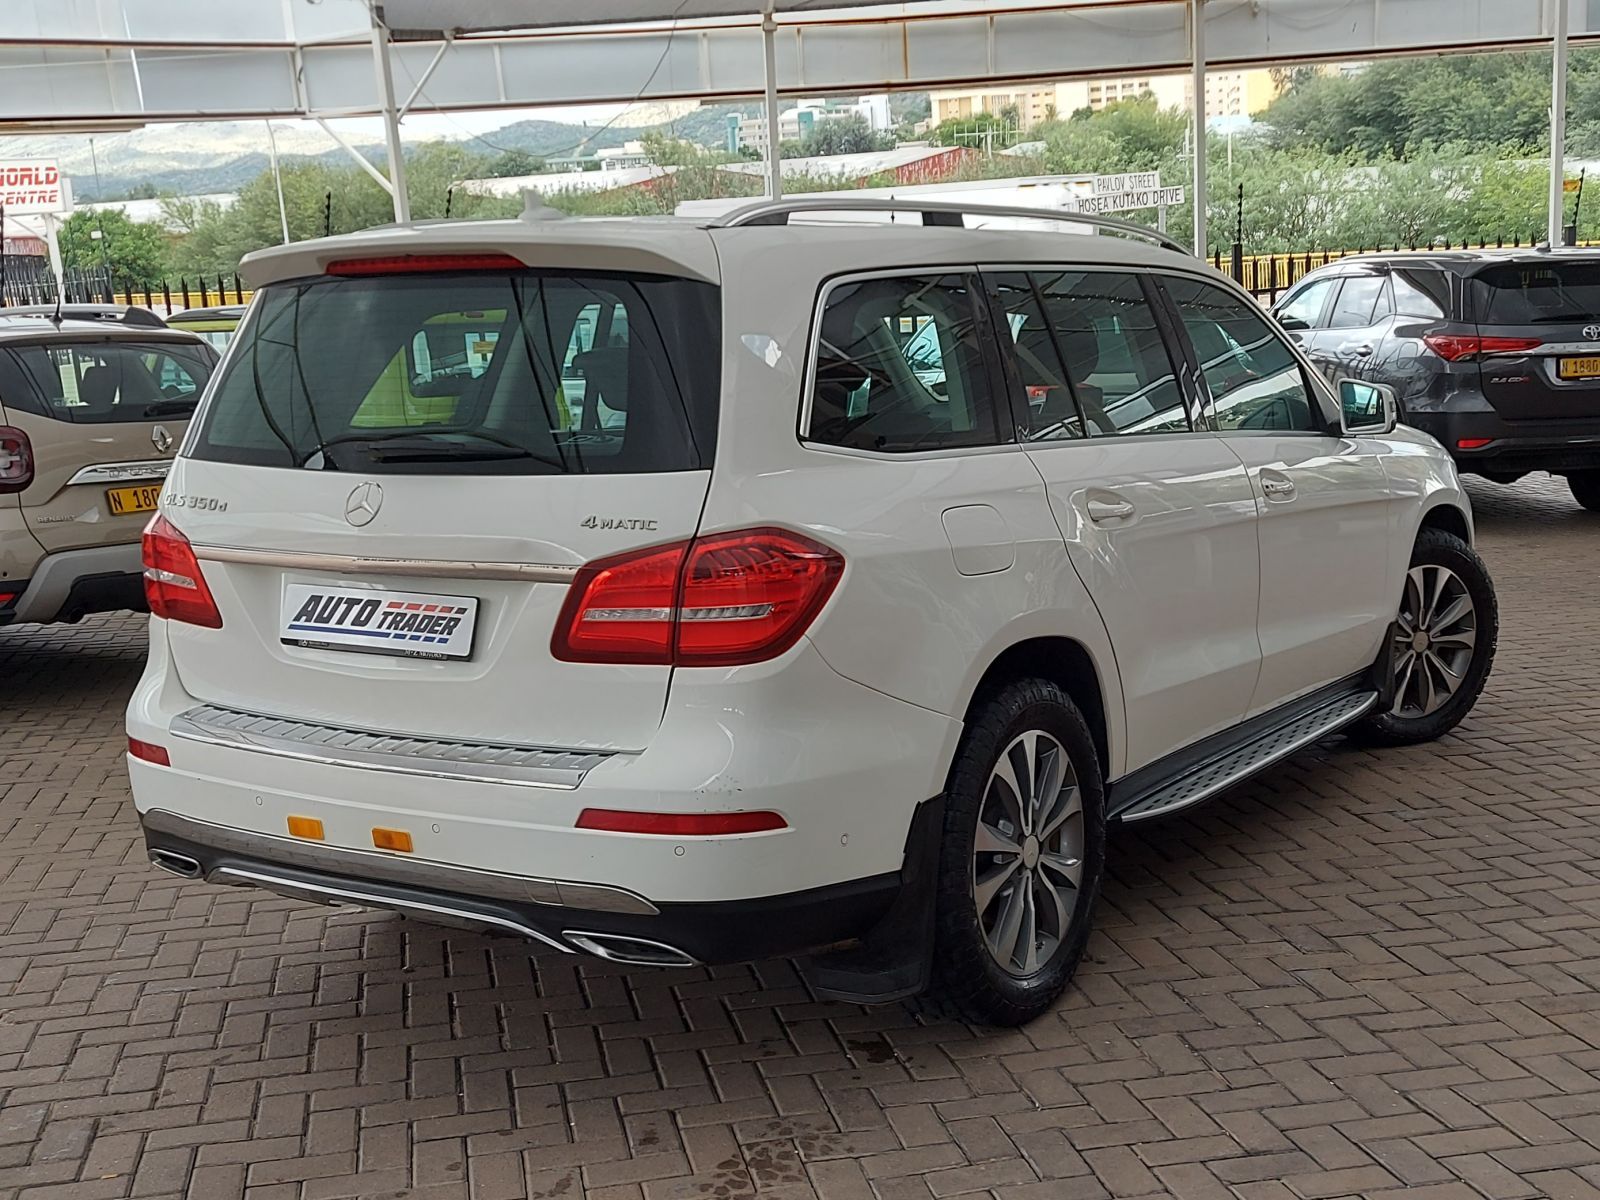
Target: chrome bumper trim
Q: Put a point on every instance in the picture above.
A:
(123, 472)
(480, 762)
(428, 568)
(355, 866)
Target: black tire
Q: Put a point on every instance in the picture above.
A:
(966, 974)
(1585, 486)
(1435, 547)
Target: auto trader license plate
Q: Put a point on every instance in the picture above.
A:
(141, 499)
(371, 621)
(1579, 368)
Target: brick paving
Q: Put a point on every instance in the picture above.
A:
(1361, 974)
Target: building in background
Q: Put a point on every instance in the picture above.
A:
(750, 133)
(1228, 94)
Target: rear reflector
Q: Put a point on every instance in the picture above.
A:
(1454, 347)
(148, 752)
(173, 584)
(1472, 443)
(306, 827)
(397, 840)
(425, 264)
(723, 599)
(613, 820)
(7, 597)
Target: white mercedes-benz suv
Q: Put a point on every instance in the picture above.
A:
(789, 582)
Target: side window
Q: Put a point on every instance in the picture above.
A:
(1304, 309)
(1053, 412)
(1420, 293)
(899, 367)
(102, 382)
(1254, 378)
(1116, 360)
(1358, 303)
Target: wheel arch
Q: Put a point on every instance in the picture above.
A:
(1071, 666)
(1449, 518)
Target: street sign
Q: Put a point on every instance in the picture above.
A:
(1127, 201)
(32, 185)
(1129, 181)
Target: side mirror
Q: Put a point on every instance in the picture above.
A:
(1368, 408)
(1293, 324)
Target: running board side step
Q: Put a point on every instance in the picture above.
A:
(1203, 771)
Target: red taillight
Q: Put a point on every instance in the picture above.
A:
(1472, 443)
(1453, 347)
(719, 600)
(16, 459)
(613, 820)
(421, 264)
(173, 584)
(149, 752)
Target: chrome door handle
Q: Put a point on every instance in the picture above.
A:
(1109, 510)
(1281, 488)
(1359, 349)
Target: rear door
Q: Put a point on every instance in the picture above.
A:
(1157, 516)
(403, 446)
(105, 415)
(1354, 340)
(1540, 324)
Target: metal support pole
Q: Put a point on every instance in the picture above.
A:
(769, 47)
(277, 182)
(1558, 127)
(391, 116)
(1197, 56)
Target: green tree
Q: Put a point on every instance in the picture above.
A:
(965, 131)
(510, 163)
(136, 251)
(842, 135)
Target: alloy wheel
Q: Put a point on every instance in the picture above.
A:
(1434, 638)
(1027, 862)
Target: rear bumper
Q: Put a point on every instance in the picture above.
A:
(74, 583)
(555, 914)
(1513, 448)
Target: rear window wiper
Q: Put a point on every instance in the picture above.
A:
(445, 452)
(414, 446)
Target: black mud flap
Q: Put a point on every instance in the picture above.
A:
(895, 959)
(1382, 678)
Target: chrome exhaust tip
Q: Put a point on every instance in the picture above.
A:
(633, 951)
(178, 864)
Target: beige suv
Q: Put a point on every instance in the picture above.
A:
(92, 408)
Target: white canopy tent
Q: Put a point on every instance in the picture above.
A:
(93, 64)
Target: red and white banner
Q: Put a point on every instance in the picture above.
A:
(32, 185)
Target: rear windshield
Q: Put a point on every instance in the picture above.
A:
(99, 382)
(1537, 293)
(516, 372)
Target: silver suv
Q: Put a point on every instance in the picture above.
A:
(93, 405)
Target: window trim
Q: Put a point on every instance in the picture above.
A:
(989, 355)
(1333, 425)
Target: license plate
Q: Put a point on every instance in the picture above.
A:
(374, 621)
(141, 499)
(1579, 368)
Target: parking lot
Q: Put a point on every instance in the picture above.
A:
(1361, 972)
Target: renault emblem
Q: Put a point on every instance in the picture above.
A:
(363, 504)
(161, 439)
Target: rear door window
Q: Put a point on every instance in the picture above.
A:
(1537, 293)
(899, 367)
(108, 382)
(1303, 310)
(517, 372)
(1362, 302)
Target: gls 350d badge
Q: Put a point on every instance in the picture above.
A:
(370, 621)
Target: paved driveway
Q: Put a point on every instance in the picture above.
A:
(1359, 974)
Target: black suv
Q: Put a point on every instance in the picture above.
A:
(1494, 352)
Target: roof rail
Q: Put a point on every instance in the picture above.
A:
(119, 314)
(778, 212)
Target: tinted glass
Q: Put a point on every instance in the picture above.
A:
(899, 367)
(1537, 293)
(1116, 358)
(1358, 302)
(105, 382)
(1052, 411)
(1420, 293)
(521, 372)
(1306, 308)
(1254, 378)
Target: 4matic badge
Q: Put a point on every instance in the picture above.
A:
(593, 522)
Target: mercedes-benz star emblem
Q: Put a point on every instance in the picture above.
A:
(1591, 333)
(363, 504)
(161, 439)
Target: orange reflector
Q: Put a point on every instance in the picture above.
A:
(306, 827)
(392, 839)
(149, 752)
